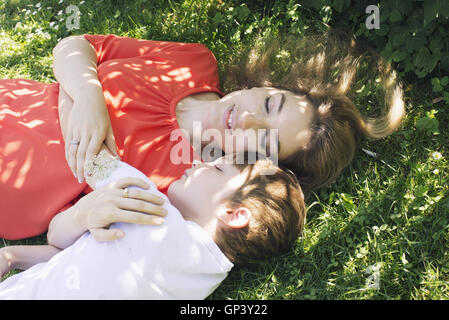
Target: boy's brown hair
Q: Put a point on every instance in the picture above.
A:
(278, 212)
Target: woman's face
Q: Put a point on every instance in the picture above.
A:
(269, 109)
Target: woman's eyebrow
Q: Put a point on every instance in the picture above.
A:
(282, 102)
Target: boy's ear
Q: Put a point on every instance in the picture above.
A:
(235, 218)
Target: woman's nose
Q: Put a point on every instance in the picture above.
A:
(252, 120)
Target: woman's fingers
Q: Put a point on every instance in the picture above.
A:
(71, 154)
(141, 206)
(110, 142)
(127, 216)
(131, 181)
(80, 157)
(67, 148)
(139, 194)
(94, 146)
(102, 235)
(139, 200)
(77, 154)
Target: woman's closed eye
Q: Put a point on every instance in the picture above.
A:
(218, 168)
(267, 104)
(277, 99)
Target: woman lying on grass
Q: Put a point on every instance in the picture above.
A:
(219, 214)
(134, 96)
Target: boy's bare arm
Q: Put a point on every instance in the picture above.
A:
(67, 226)
(24, 257)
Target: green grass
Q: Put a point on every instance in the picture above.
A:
(389, 213)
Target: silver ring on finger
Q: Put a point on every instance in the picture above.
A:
(74, 142)
(125, 193)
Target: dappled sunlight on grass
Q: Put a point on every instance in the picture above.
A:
(385, 214)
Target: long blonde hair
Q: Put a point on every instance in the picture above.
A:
(330, 69)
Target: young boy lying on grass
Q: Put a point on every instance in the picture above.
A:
(219, 214)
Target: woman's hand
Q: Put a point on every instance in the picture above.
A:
(88, 124)
(96, 211)
(107, 205)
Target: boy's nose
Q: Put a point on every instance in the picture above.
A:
(195, 163)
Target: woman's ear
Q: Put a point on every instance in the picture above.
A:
(235, 218)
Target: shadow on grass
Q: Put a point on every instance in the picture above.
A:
(334, 265)
(387, 231)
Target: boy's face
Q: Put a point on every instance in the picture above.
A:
(204, 188)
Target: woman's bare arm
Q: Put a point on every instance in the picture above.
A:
(65, 104)
(82, 108)
(75, 65)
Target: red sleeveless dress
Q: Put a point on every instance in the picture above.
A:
(142, 81)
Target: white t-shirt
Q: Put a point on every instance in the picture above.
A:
(176, 260)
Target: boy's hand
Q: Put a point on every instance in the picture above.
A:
(5, 262)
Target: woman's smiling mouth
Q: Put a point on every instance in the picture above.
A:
(229, 119)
